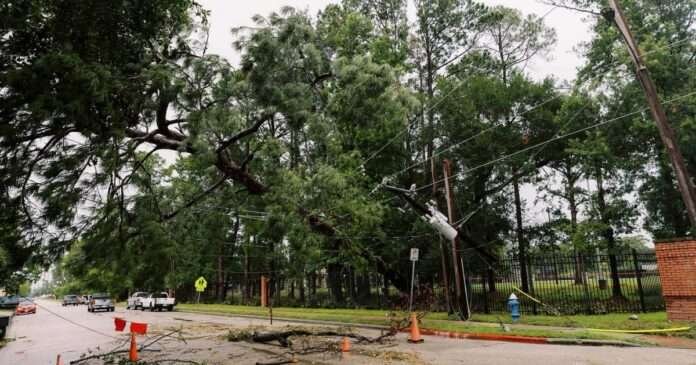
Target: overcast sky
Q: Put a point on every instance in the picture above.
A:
(563, 62)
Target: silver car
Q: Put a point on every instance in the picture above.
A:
(100, 302)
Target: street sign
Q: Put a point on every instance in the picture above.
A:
(414, 258)
(200, 284)
(414, 254)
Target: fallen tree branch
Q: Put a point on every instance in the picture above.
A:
(143, 347)
(281, 362)
(163, 361)
(98, 356)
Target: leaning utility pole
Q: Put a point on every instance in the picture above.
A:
(459, 284)
(443, 246)
(666, 132)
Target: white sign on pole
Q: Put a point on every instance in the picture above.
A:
(414, 254)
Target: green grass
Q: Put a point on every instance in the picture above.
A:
(619, 321)
(437, 321)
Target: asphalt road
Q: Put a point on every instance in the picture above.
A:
(39, 338)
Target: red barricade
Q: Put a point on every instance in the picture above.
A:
(139, 328)
(120, 324)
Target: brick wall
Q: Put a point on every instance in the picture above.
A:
(676, 261)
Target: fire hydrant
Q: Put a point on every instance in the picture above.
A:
(514, 307)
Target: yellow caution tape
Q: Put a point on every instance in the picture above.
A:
(676, 329)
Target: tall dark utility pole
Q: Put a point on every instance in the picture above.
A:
(459, 283)
(666, 132)
(443, 246)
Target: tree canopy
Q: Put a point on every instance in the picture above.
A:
(131, 157)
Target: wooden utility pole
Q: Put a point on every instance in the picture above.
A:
(666, 132)
(459, 289)
(443, 246)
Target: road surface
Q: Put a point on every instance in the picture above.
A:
(72, 332)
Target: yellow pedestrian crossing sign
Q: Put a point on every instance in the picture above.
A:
(200, 284)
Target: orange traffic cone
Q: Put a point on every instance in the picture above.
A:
(345, 345)
(58, 360)
(415, 331)
(133, 356)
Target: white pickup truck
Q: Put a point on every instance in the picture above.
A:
(134, 300)
(157, 301)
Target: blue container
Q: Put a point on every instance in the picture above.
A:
(514, 307)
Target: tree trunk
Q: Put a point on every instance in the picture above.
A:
(572, 204)
(364, 289)
(302, 289)
(247, 285)
(220, 290)
(334, 282)
(352, 287)
(313, 284)
(521, 244)
(608, 236)
(491, 280)
(445, 278)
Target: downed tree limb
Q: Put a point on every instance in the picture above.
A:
(282, 337)
(281, 362)
(99, 356)
(141, 348)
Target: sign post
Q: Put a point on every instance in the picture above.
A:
(200, 285)
(264, 291)
(414, 258)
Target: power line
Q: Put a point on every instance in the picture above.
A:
(431, 107)
(389, 142)
(451, 147)
(71, 321)
(551, 140)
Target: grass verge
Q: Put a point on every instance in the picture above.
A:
(436, 321)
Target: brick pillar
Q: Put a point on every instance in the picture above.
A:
(676, 261)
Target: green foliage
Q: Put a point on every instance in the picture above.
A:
(147, 162)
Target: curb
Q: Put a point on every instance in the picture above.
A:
(583, 342)
(526, 339)
(446, 334)
(486, 336)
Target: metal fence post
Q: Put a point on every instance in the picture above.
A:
(586, 289)
(530, 276)
(639, 279)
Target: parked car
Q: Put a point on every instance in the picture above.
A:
(71, 299)
(9, 301)
(25, 307)
(158, 301)
(5, 318)
(134, 302)
(100, 302)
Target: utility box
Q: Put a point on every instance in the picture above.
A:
(676, 262)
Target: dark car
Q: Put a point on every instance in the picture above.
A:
(71, 299)
(100, 302)
(10, 301)
(4, 323)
